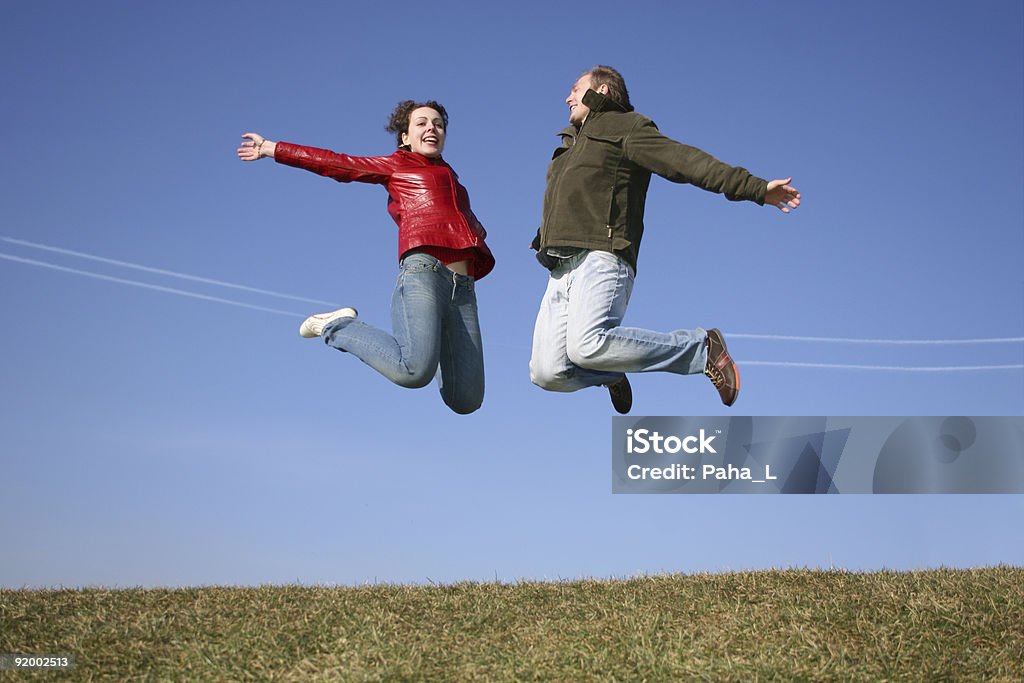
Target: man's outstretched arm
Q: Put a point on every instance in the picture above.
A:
(680, 163)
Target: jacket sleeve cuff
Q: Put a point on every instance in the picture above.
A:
(762, 190)
(286, 153)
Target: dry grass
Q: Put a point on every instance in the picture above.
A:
(783, 625)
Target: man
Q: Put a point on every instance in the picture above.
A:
(589, 239)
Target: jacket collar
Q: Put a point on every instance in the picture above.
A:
(595, 101)
(569, 131)
(419, 158)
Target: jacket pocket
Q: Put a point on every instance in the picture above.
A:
(601, 151)
(604, 144)
(610, 139)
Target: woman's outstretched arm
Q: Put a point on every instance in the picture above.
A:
(341, 167)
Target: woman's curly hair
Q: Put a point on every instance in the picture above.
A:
(399, 121)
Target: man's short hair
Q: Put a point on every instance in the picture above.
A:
(606, 75)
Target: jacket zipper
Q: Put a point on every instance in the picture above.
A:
(572, 150)
(576, 140)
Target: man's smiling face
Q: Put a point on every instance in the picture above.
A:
(577, 110)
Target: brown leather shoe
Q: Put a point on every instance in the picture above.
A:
(721, 368)
(622, 395)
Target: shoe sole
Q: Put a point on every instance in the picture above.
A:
(308, 333)
(736, 371)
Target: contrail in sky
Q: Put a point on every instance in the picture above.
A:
(146, 285)
(161, 271)
(267, 292)
(907, 368)
(846, 340)
(231, 302)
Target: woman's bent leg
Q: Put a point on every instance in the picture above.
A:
(461, 374)
(410, 357)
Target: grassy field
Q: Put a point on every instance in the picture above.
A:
(956, 625)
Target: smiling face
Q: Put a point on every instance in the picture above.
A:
(426, 132)
(577, 110)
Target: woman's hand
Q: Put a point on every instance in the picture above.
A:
(781, 195)
(255, 147)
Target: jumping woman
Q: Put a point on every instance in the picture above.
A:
(441, 249)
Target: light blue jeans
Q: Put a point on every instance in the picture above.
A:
(436, 333)
(578, 340)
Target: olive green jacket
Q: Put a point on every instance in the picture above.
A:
(597, 181)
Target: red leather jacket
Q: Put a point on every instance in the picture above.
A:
(425, 197)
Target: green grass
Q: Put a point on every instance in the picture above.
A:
(773, 625)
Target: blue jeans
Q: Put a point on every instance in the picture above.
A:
(436, 333)
(578, 340)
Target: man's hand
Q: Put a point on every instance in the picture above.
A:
(782, 195)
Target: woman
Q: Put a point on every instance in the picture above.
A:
(441, 255)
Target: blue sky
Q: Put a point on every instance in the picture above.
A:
(151, 438)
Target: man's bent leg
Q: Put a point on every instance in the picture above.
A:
(550, 367)
(601, 288)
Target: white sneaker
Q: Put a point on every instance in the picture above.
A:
(315, 324)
